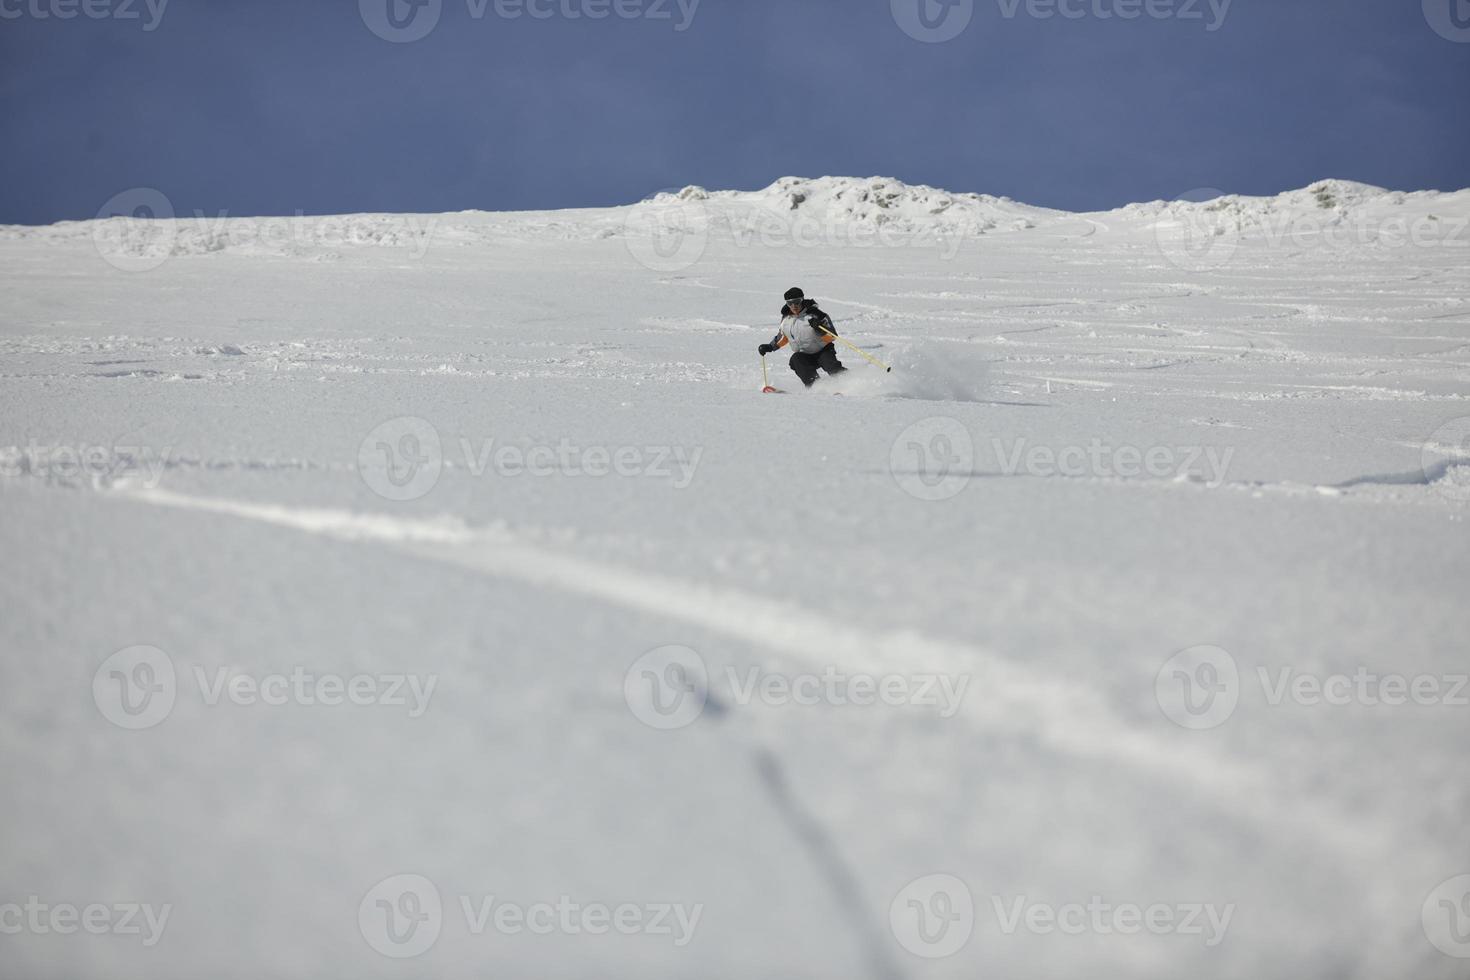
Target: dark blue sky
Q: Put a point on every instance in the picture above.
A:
(279, 106)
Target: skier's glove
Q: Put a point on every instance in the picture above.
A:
(766, 349)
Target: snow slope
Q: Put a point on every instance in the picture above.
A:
(513, 459)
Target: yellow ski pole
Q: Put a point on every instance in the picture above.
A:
(855, 347)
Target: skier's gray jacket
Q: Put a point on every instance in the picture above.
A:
(807, 332)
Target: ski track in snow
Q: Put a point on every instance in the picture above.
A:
(1067, 717)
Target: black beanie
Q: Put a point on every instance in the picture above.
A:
(793, 294)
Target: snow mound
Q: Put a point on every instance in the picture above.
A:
(871, 202)
(1338, 213)
(1324, 203)
(291, 236)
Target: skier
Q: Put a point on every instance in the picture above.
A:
(809, 331)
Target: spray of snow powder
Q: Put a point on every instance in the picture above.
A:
(918, 372)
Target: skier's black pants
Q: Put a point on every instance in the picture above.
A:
(805, 365)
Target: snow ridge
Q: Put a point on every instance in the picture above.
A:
(825, 210)
(877, 202)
